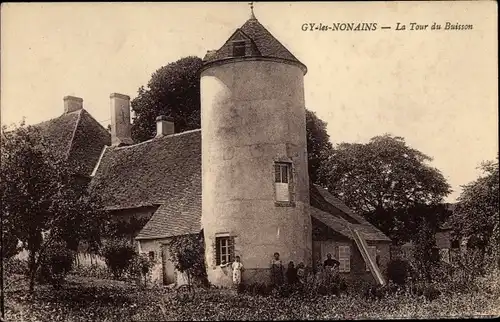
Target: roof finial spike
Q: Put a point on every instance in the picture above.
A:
(252, 15)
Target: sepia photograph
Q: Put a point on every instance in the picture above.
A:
(207, 161)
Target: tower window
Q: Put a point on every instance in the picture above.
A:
(224, 247)
(282, 176)
(239, 48)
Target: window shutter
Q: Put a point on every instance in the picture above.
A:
(231, 249)
(344, 258)
(217, 251)
(284, 173)
(337, 253)
(277, 173)
(348, 257)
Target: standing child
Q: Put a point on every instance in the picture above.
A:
(237, 268)
(301, 273)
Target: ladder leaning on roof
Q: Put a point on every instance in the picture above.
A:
(363, 249)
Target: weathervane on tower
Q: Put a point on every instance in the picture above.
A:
(252, 16)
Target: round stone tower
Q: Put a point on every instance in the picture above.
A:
(255, 183)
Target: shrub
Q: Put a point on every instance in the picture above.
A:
(118, 255)
(398, 271)
(324, 283)
(55, 264)
(96, 271)
(15, 266)
(377, 292)
(141, 267)
(258, 289)
(429, 291)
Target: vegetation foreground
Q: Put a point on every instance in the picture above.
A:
(92, 299)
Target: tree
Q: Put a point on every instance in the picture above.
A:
(382, 179)
(173, 90)
(476, 214)
(119, 255)
(42, 203)
(318, 145)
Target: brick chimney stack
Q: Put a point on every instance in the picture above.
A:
(164, 126)
(72, 104)
(120, 120)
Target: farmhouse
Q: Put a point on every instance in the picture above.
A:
(241, 179)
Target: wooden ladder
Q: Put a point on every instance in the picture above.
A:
(370, 262)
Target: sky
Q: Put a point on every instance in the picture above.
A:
(437, 89)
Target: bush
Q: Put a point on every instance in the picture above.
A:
(96, 271)
(118, 255)
(258, 289)
(55, 264)
(398, 271)
(429, 291)
(378, 292)
(324, 283)
(15, 266)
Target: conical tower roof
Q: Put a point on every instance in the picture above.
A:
(260, 43)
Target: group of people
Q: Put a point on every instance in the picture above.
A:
(301, 273)
(291, 275)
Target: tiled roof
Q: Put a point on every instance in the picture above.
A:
(58, 132)
(161, 171)
(89, 139)
(76, 137)
(166, 171)
(262, 44)
(335, 214)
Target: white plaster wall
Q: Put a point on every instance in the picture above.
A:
(155, 245)
(253, 114)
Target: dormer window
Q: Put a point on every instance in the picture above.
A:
(239, 48)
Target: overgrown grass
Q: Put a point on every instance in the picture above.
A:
(92, 299)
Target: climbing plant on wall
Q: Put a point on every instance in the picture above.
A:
(187, 253)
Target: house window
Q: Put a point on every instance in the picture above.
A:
(224, 250)
(372, 250)
(282, 178)
(344, 259)
(239, 48)
(151, 255)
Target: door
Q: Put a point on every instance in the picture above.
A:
(168, 268)
(316, 253)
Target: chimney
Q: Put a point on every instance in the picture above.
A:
(72, 104)
(164, 126)
(120, 120)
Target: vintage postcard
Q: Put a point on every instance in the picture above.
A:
(249, 161)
